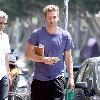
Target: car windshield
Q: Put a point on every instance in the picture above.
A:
(98, 75)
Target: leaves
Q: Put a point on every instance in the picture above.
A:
(92, 6)
(24, 8)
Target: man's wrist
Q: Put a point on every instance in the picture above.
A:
(42, 59)
(72, 77)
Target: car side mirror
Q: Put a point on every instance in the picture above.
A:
(82, 85)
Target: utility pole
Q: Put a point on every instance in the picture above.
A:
(77, 36)
(66, 13)
(78, 28)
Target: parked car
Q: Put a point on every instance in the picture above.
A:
(87, 81)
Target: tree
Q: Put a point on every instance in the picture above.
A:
(87, 7)
(24, 11)
(25, 8)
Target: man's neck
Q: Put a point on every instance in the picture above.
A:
(52, 30)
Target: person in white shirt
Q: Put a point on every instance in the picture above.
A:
(4, 64)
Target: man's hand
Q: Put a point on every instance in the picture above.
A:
(70, 83)
(50, 60)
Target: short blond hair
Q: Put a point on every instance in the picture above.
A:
(3, 14)
(50, 8)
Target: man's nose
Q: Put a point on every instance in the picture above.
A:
(52, 19)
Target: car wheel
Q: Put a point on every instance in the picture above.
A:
(79, 94)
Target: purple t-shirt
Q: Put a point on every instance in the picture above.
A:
(54, 46)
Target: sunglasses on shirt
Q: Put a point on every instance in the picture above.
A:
(3, 23)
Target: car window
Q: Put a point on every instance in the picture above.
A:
(88, 75)
(80, 74)
(85, 74)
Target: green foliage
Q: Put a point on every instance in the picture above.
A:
(9, 6)
(24, 8)
(92, 6)
(27, 8)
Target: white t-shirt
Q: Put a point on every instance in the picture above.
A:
(4, 49)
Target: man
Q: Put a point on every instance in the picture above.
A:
(4, 50)
(48, 81)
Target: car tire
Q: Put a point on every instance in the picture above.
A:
(79, 94)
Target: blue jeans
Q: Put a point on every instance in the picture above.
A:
(4, 87)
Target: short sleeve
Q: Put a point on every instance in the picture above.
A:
(69, 42)
(33, 38)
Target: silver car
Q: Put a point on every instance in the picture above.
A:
(87, 81)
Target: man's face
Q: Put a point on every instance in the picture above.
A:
(3, 23)
(52, 18)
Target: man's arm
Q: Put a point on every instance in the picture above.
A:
(69, 67)
(30, 54)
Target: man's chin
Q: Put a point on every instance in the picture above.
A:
(1, 29)
(52, 24)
